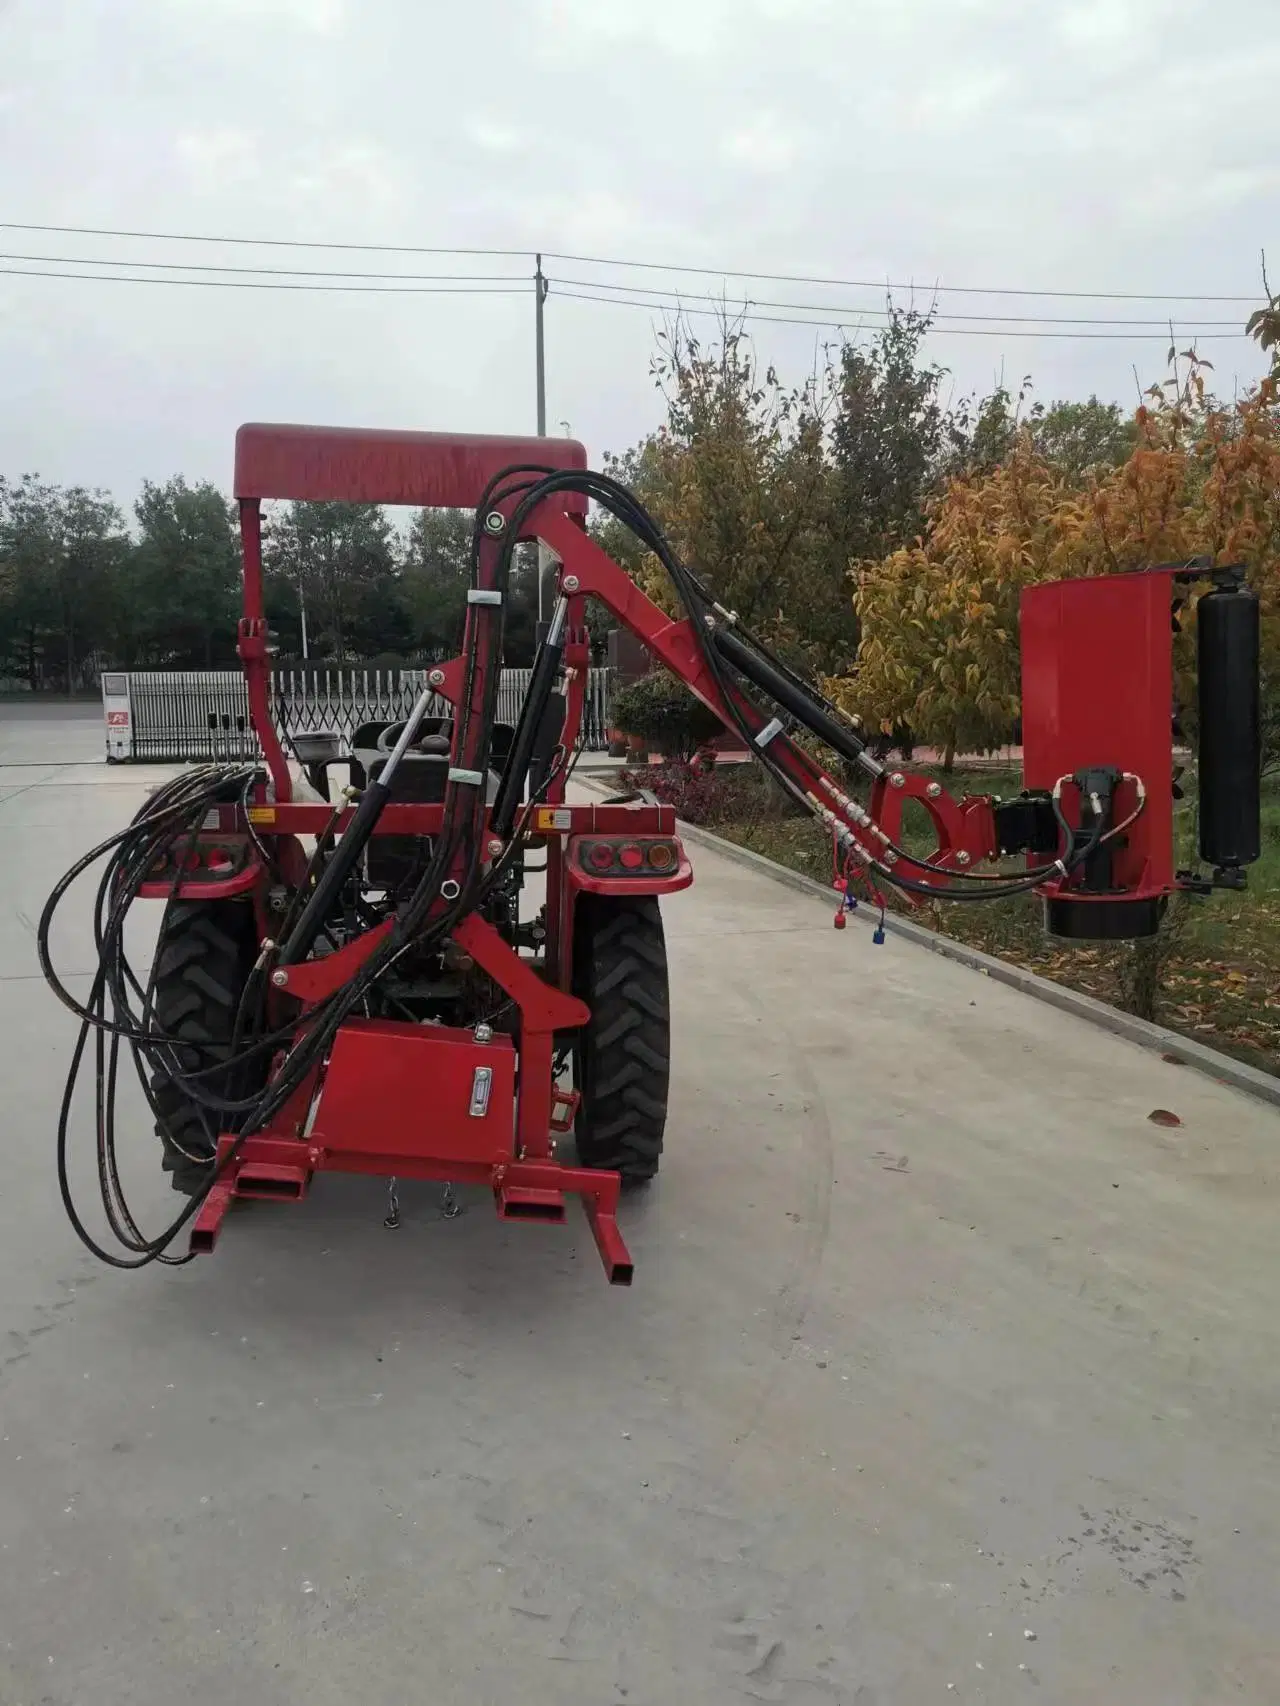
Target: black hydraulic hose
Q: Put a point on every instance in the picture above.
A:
(546, 668)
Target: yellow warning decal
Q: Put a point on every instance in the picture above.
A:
(261, 814)
(552, 817)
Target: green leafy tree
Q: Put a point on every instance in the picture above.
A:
(888, 438)
(63, 550)
(1077, 438)
(435, 570)
(662, 712)
(739, 480)
(330, 555)
(183, 579)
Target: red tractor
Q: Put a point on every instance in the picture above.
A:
(345, 979)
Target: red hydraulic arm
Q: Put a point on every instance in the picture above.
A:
(965, 830)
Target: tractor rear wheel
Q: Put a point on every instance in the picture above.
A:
(206, 953)
(623, 1053)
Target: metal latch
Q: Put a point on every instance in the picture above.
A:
(481, 1085)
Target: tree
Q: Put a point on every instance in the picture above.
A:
(183, 579)
(1263, 324)
(739, 480)
(1080, 437)
(887, 439)
(331, 554)
(661, 711)
(939, 618)
(435, 571)
(63, 550)
(939, 649)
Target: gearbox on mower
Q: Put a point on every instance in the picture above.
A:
(346, 979)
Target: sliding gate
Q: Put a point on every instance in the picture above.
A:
(203, 714)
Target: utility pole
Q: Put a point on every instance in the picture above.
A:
(539, 297)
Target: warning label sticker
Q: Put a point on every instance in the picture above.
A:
(552, 817)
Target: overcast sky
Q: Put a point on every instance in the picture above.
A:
(1123, 145)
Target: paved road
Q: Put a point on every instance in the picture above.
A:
(935, 1340)
(34, 734)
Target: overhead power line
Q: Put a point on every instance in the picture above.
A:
(817, 314)
(668, 297)
(883, 313)
(262, 242)
(246, 284)
(885, 284)
(627, 264)
(749, 312)
(283, 272)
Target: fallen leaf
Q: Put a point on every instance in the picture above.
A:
(1162, 1116)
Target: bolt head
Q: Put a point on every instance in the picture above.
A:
(570, 583)
(933, 790)
(436, 678)
(890, 857)
(897, 780)
(495, 847)
(494, 522)
(280, 978)
(313, 1157)
(962, 858)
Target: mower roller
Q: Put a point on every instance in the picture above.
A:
(344, 980)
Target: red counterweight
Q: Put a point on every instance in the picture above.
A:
(1097, 695)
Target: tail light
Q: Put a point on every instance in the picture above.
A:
(629, 858)
(212, 862)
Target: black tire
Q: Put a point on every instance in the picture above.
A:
(623, 1053)
(207, 951)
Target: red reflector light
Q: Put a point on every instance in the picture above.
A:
(631, 857)
(600, 856)
(662, 855)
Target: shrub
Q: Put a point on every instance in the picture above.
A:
(727, 794)
(665, 715)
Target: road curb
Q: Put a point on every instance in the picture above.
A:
(1221, 1067)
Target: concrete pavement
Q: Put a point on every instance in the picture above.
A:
(936, 1340)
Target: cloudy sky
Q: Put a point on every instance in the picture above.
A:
(1049, 145)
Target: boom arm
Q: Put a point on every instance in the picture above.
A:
(966, 830)
(1096, 820)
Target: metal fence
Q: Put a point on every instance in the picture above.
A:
(173, 715)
